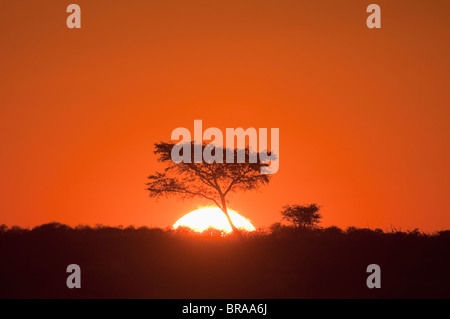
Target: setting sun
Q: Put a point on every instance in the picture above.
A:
(203, 218)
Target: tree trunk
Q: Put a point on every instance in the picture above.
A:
(225, 211)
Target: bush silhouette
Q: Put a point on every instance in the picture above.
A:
(287, 263)
(302, 216)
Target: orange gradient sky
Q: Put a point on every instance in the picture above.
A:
(363, 114)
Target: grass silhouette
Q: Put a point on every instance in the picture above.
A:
(282, 262)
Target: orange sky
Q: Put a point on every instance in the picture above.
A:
(363, 114)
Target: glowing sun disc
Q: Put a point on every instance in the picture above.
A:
(203, 218)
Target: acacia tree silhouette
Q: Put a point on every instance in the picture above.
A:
(212, 181)
(302, 216)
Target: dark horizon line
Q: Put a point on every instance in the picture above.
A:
(55, 224)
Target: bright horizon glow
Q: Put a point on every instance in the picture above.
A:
(203, 218)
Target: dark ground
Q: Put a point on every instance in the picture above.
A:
(153, 263)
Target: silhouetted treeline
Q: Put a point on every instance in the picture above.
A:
(281, 263)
